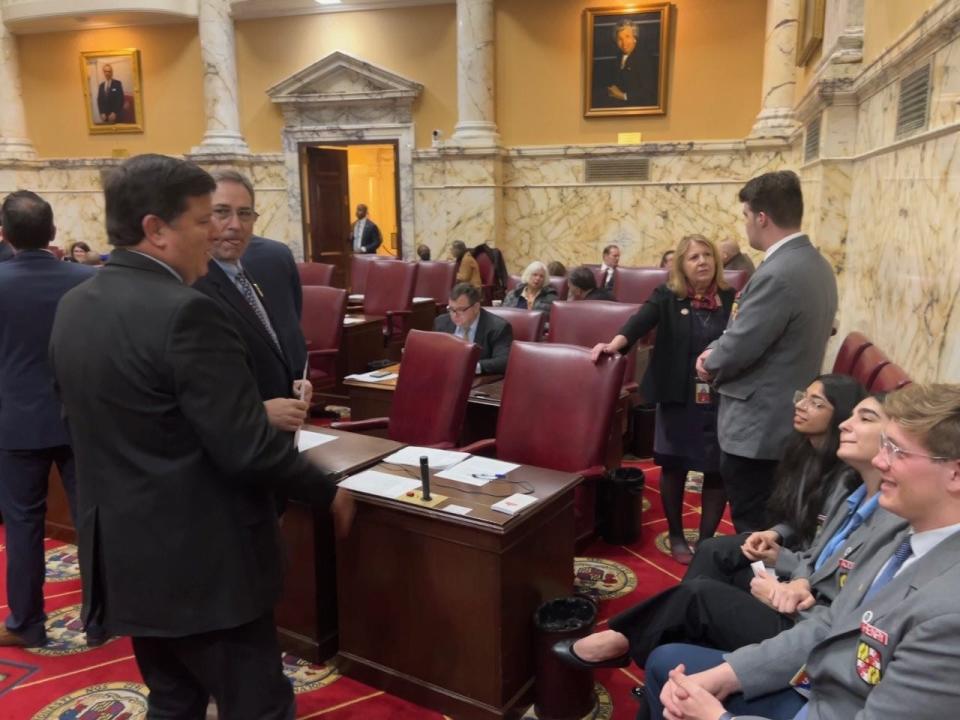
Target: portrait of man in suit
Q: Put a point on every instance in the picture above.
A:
(112, 90)
(625, 54)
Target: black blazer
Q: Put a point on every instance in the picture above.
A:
(6, 252)
(110, 102)
(600, 294)
(494, 336)
(370, 240)
(668, 378)
(272, 263)
(175, 458)
(272, 370)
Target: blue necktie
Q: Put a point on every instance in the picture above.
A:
(855, 521)
(900, 555)
(246, 289)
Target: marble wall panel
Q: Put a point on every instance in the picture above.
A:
(877, 120)
(945, 79)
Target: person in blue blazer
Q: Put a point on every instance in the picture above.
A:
(32, 434)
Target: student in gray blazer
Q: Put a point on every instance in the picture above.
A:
(773, 345)
(889, 645)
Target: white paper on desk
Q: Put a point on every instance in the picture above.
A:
(378, 483)
(486, 468)
(436, 459)
(348, 320)
(308, 439)
(355, 298)
(424, 299)
(368, 377)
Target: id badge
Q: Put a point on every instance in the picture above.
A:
(702, 394)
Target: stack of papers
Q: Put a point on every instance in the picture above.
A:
(436, 459)
(369, 377)
(355, 298)
(478, 471)
(307, 439)
(352, 320)
(381, 484)
(423, 299)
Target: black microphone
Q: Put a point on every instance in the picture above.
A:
(425, 477)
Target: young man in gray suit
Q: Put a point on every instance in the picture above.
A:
(889, 645)
(773, 344)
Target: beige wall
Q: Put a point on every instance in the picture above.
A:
(886, 20)
(172, 90)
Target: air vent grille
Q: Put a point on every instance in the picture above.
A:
(811, 145)
(914, 102)
(617, 169)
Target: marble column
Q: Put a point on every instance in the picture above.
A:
(219, 82)
(476, 125)
(14, 142)
(776, 118)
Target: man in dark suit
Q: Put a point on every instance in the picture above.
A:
(774, 342)
(364, 235)
(176, 461)
(255, 313)
(466, 319)
(32, 433)
(109, 97)
(6, 252)
(635, 77)
(583, 286)
(608, 266)
(733, 259)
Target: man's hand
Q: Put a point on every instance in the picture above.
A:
(306, 387)
(688, 700)
(793, 596)
(717, 682)
(762, 587)
(342, 508)
(616, 93)
(286, 414)
(702, 371)
(762, 545)
(112, 117)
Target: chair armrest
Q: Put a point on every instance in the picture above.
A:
(361, 425)
(327, 352)
(391, 313)
(441, 446)
(591, 473)
(477, 447)
(631, 387)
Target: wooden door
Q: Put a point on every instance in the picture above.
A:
(328, 209)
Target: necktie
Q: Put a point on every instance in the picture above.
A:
(855, 521)
(246, 289)
(900, 555)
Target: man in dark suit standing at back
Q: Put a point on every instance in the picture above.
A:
(773, 344)
(110, 97)
(179, 543)
(467, 320)
(257, 314)
(32, 433)
(364, 235)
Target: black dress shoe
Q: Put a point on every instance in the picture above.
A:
(564, 651)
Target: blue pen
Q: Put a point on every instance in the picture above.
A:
(488, 476)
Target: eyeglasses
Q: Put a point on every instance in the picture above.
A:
(894, 452)
(244, 215)
(459, 311)
(801, 398)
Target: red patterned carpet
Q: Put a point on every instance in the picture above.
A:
(67, 681)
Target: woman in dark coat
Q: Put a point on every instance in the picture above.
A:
(689, 312)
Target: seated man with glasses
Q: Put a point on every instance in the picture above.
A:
(262, 318)
(889, 644)
(466, 319)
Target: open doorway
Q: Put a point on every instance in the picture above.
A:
(336, 178)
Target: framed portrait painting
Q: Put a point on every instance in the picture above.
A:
(810, 36)
(111, 90)
(625, 60)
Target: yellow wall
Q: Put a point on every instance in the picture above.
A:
(713, 89)
(886, 20)
(172, 90)
(419, 43)
(372, 182)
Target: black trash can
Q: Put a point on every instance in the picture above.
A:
(561, 691)
(620, 506)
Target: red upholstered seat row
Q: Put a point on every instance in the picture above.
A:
(861, 359)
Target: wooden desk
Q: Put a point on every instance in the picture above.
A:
(423, 313)
(360, 344)
(306, 614)
(438, 608)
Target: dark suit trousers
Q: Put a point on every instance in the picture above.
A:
(749, 484)
(720, 558)
(239, 667)
(698, 611)
(23, 501)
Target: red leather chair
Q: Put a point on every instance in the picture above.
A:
(737, 279)
(527, 324)
(434, 280)
(560, 285)
(850, 350)
(360, 268)
(891, 377)
(389, 292)
(869, 365)
(430, 401)
(636, 285)
(588, 323)
(312, 273)
(322, 325)
(572, 427)
(487, 276)
(512, 282)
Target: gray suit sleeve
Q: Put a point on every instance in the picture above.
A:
(760, 320)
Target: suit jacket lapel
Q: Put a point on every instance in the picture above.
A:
(231, 294)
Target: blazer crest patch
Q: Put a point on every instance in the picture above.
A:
(869, 665)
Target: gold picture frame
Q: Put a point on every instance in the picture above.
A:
(116, 107)
(810, 32)
(610, 60)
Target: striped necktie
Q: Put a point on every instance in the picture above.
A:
(246, 289)
(900, 555)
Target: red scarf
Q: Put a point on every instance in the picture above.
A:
(710, 300)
